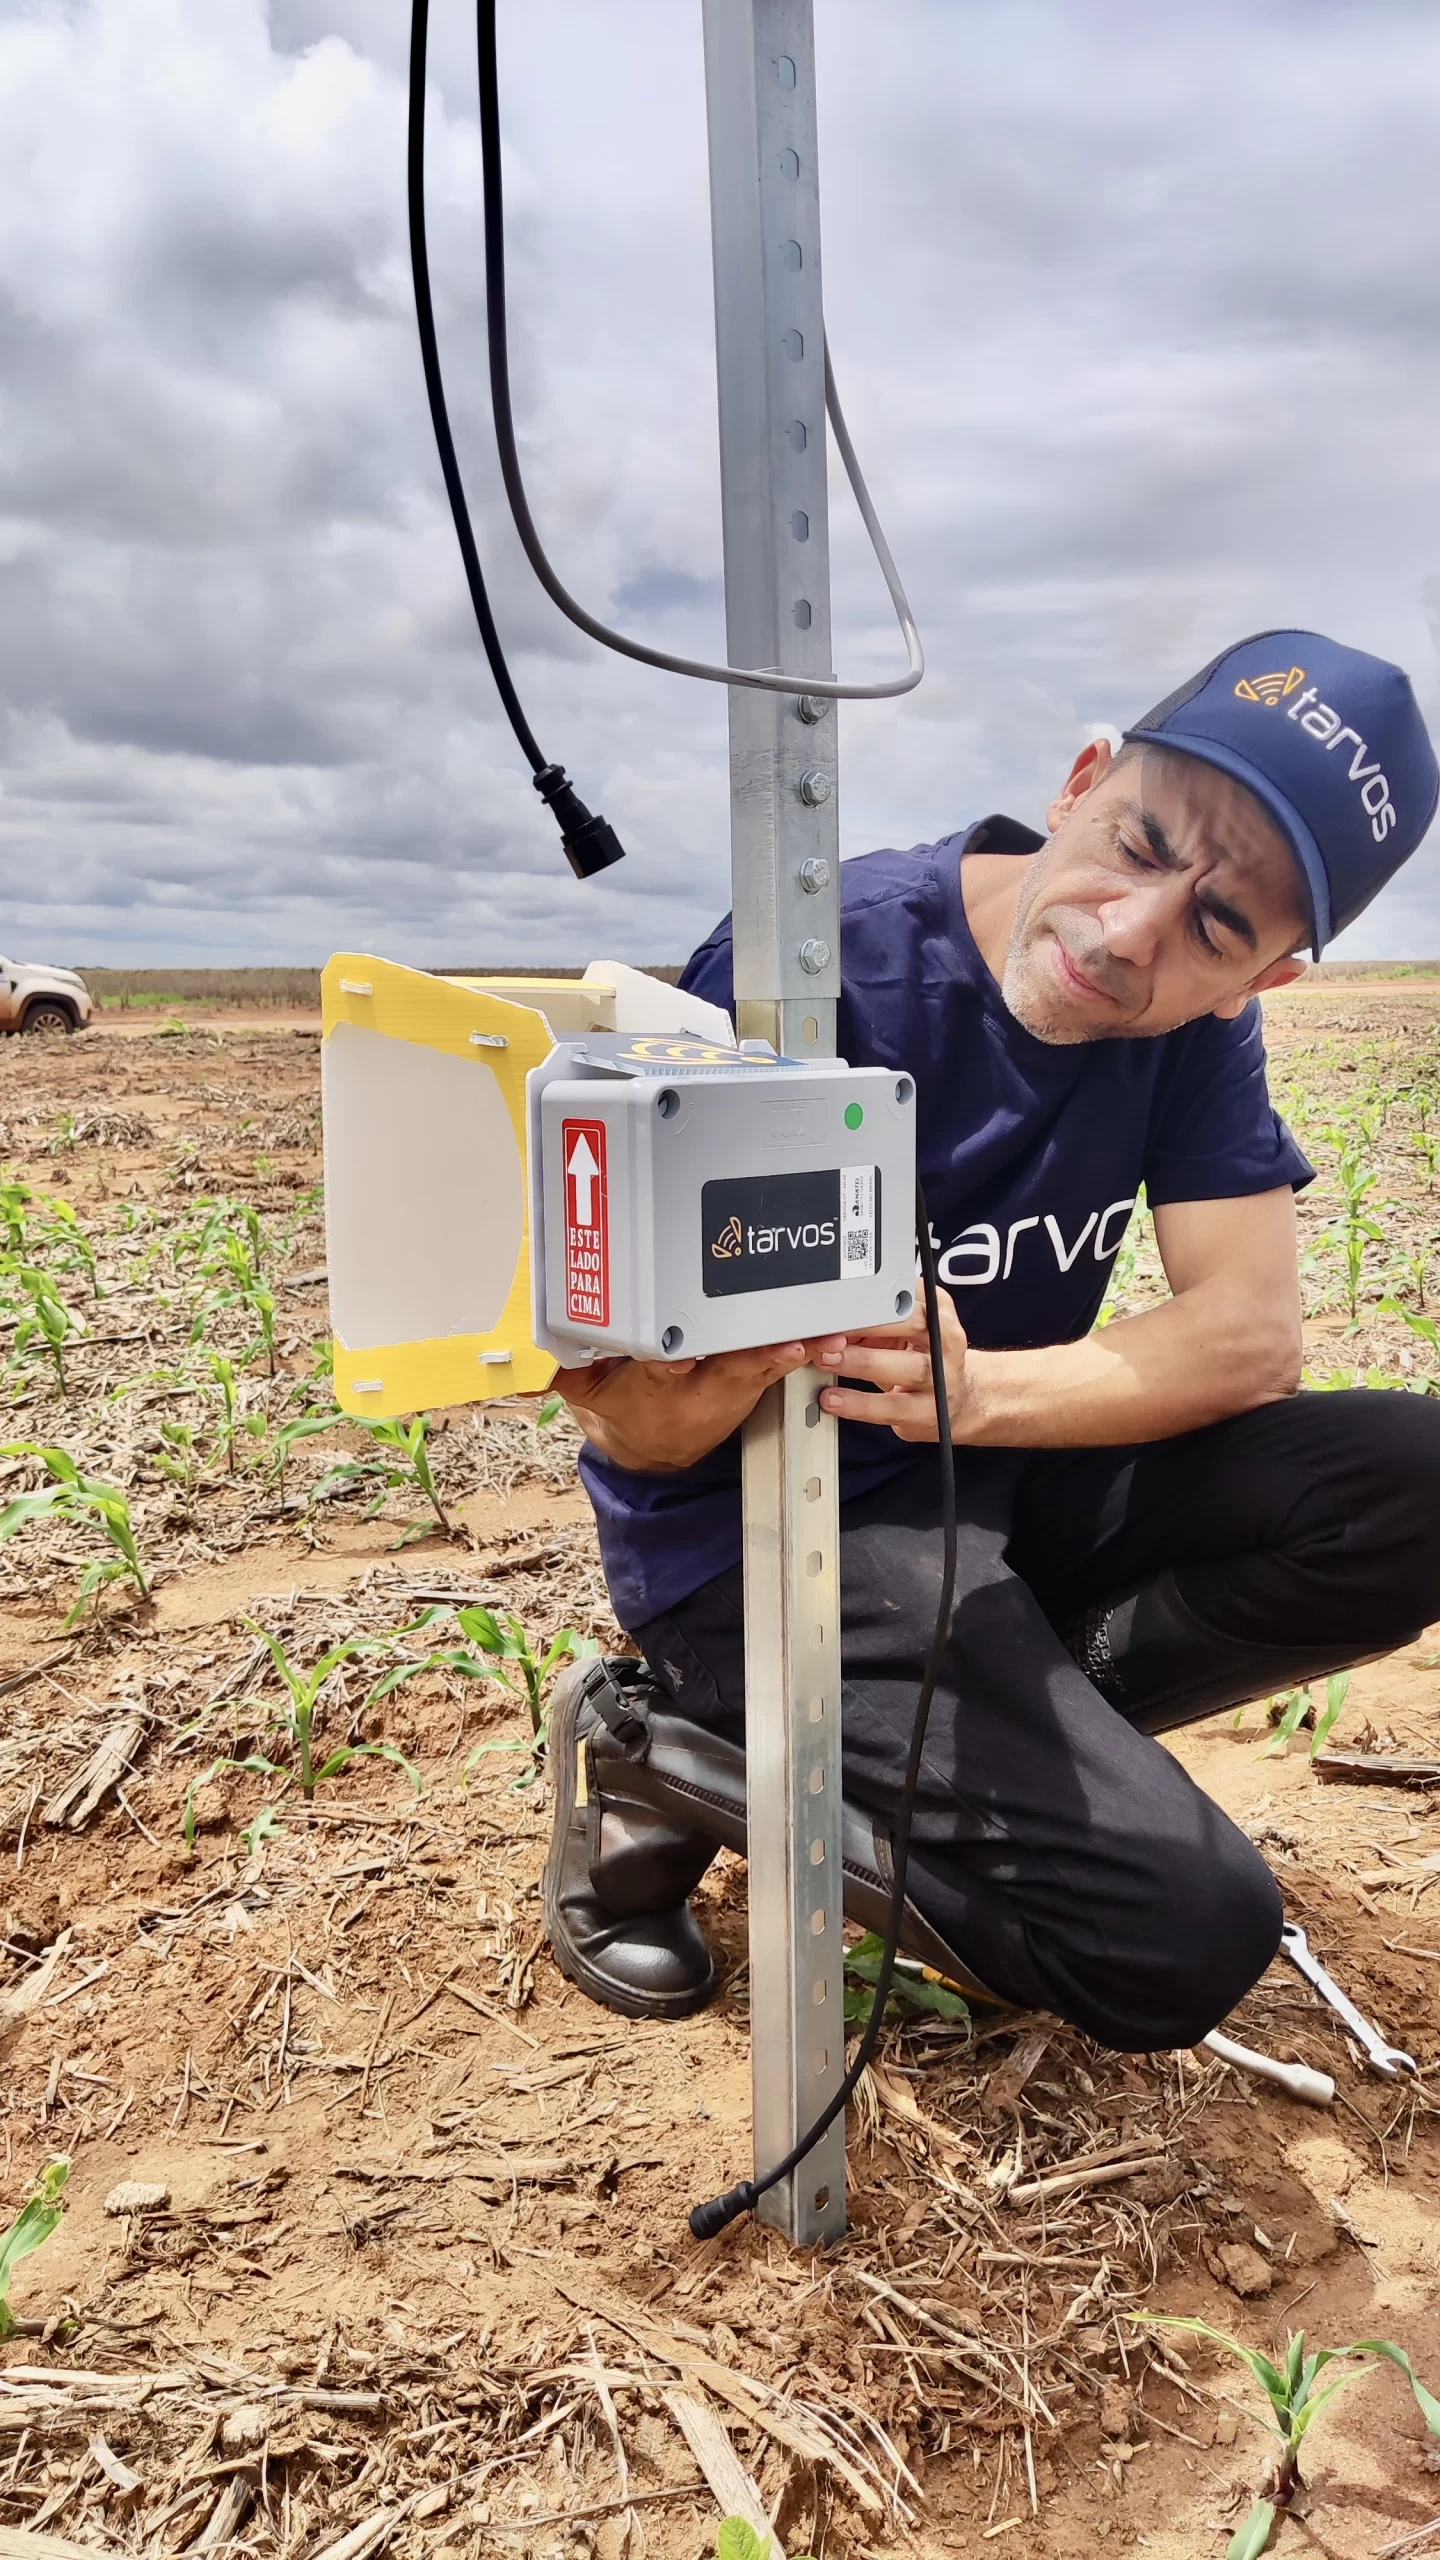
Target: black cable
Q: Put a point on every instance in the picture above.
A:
(707, 2219)
(590, 844)
(760, 679)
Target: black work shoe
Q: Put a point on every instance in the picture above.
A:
(620, 1868)
(643, 1798)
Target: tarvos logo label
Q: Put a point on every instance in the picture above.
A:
(733, 1240)
(1320, 721)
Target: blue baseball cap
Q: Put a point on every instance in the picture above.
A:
(1332, 744)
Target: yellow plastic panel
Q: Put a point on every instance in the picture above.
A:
(427, 1200)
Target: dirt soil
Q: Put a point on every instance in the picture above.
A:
(376, 2233)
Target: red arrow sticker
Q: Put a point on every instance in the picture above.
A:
(587, 1222)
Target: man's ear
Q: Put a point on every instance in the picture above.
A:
(1281, 973)
(1090, 766)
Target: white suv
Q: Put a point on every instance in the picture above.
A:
(33, 998)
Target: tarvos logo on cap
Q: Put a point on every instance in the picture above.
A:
(1319, 720)
(1273, 688)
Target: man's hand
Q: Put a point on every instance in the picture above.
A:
(896, 1359)
(661, 1415)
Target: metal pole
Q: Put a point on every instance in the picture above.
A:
(765, 207)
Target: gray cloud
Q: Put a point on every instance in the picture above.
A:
(1135, 318)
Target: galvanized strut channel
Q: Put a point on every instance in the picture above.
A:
(769, 331)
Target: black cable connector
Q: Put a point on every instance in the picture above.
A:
(720, 2211)
(591, 843)
(708, 2220)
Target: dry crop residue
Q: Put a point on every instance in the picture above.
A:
(420, 2280)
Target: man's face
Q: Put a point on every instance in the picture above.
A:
(1165, 892)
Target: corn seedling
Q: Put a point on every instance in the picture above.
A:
(1424, 1327)
(1294, 2404)
(1412, 1265)
(496, 1645)
(1357, 1227)
(49, 1321)
(61, 1233)
(241, 1286)
(1337, 1690)
(399, 1458)
(253, 1764)
(915, 1989)
(178, 1460)
(30, 2230)
(262, 1826)
(1296, 1707)
(296, 1719)
(15, 1199)
(73, 1496)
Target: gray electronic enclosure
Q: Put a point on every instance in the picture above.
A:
(687, 1199)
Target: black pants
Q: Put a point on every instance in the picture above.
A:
(1058, 1847)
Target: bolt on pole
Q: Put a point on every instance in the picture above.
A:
(769, 332)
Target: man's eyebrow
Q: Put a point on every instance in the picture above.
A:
(1208, 900)
(1231, 917)
(1159, 843)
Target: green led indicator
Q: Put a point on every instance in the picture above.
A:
(853, 1115)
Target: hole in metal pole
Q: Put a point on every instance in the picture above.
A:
(822, 2063)
(817, 1710)
(793, 344)
(785, 71)
(817, 1782)
(814, 1562)
(796, 433)
(800, 525)
(817, 1637)
(817, 1924)
(819, 1993)
(809, 1029)
(794, 256)
(789, 164)
(812, 1414)
(803, 616)
(812, 1488)
(822, 2198)
(817, 1859)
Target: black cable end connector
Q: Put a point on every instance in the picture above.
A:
(721, 2211)
(591, 843)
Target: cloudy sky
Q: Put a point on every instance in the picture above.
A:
(1135, 316)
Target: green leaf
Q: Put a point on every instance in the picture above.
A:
(550, 1407)
(1296, 1706)
(1426, 2401)
(1337, 1689)
(484, 1628)
(737, 2540)
(1303, 2418)
(30, 2230)
(1271, 2382)
(1254, 2534)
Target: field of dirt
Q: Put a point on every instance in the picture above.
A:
(375, 2236)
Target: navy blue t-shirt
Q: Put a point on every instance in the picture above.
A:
(1031, 1157)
